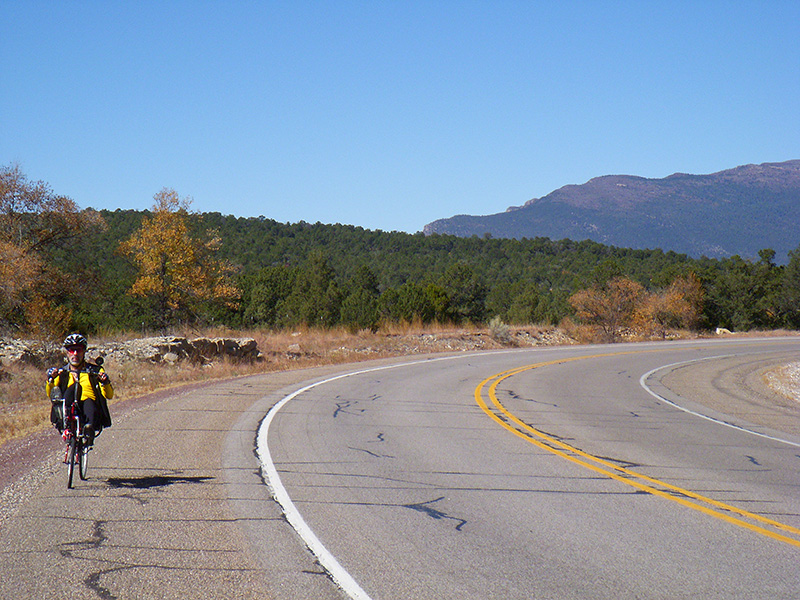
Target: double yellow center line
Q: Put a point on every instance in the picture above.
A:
(720, 510)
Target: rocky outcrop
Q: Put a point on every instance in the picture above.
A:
(29, 352)
(172, 349)
(158, 350)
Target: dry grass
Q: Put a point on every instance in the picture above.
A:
(25, 409)
(23, 405)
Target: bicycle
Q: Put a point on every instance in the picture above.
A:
(78, 446)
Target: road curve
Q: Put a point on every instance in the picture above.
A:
(443, 478)
(550, 473)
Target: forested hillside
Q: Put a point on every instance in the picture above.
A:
(326, 275)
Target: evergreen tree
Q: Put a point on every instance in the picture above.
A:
(790, 290)
(315, 299)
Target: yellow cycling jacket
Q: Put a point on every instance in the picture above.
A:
(87, 387)
(85, 380)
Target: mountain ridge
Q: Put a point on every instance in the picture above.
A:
(735, 211)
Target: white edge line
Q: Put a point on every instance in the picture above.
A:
(336, 571)
(642, 382)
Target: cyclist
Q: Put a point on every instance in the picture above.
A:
(84, 382)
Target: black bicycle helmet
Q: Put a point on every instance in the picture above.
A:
(75, 339)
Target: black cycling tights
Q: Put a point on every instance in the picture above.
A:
(87, 407)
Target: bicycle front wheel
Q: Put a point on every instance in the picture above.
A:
(73, 446)
(84, 461)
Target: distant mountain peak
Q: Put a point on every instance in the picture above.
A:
(736, 211)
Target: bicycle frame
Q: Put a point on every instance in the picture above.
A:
(77, 447)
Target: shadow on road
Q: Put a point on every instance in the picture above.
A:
(152, 481)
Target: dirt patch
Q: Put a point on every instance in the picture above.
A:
(738, 387)
(785, 380)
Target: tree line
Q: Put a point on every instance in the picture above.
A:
(66, 268)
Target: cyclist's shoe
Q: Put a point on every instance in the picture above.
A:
(88, 431)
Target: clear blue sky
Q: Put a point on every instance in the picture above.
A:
(388, 114)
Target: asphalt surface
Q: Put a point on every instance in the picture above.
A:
(419, 492)
(165, 512)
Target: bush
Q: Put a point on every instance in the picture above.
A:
(499, 331)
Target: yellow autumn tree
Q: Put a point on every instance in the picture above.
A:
(677, 307)
(175, 269)
(624, 305)
(34, 219)
(19, 272)
(610, 307)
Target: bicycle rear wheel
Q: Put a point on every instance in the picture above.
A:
(71, 460)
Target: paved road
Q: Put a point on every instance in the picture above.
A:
(439, 479)
(173, 489)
